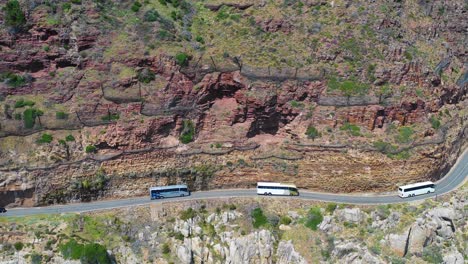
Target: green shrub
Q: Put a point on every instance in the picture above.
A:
(89, 253)
(402, 155)
(70, 138)
(312, 132)
(188, 132)
(285, 220)
(19, 246)
(397, 260)
(66, 7)
(36, 258)
(151, 16)
(76, 2)
(12, 80)
(331, 207)
(348, 87)
(182, 59)
(405, 134)
(200, 39)
(314, 218)
(17, 116)
(14, 16)
(384, 147)
(95, 253)
(383, 211)
(166, 249)
(146, 76)
(376, 249)
(435, 122)
(29, 117)
(45, 138)
(71, 250)
(258, 218)
(136, 6)
(297, 104)
(62, 142)
(90, 149)
(61, 115)
(432, 254)
(351, 129)
(188, 214)
(22, 103)
(179, 236)
(110, 117)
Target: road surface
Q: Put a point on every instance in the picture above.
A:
(452, 180)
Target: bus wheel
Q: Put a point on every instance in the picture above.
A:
(182, 195)
(265, 193)
(269, 193)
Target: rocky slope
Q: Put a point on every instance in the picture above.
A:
(263, 230)
(106, 98)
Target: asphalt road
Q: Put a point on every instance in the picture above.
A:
(453, 179)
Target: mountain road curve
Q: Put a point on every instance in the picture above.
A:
(451, 181)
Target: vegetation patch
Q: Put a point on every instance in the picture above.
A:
(314, 218)
(61, 115)
(182, 59)
(435, 122)
(45, 138)
(312, 132)
(90, 149)
(258, 218)
(188, 214)
(86, 253)
(29, 117)
(352, 129)
(13, 80)
(14, 16)
(405, 135)
(22, 103)
(188, 132)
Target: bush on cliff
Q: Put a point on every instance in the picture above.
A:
(314, 218)
(258, 218)
(88, 253)
(45, 138)
(188, 132)
(182, 59)
(90, 149)
(405, 134)
(14, 16)
(312, 133)
(13, 80)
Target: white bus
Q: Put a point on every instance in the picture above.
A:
(416, 189)
(169, 191)
(273, 188)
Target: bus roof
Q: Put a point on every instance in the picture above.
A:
(416, 184)
(168, 187)
(276, 184)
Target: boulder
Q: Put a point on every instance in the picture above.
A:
(454, 257)
(286, 254)
(397, 243)
(419, 237)
(256, 247)
(352, 215)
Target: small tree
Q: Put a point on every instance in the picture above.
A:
(182, 59)
(312, 133)
(90, 149)
(14, 16)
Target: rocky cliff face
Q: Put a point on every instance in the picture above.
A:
(105, 98)
(246, 230)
